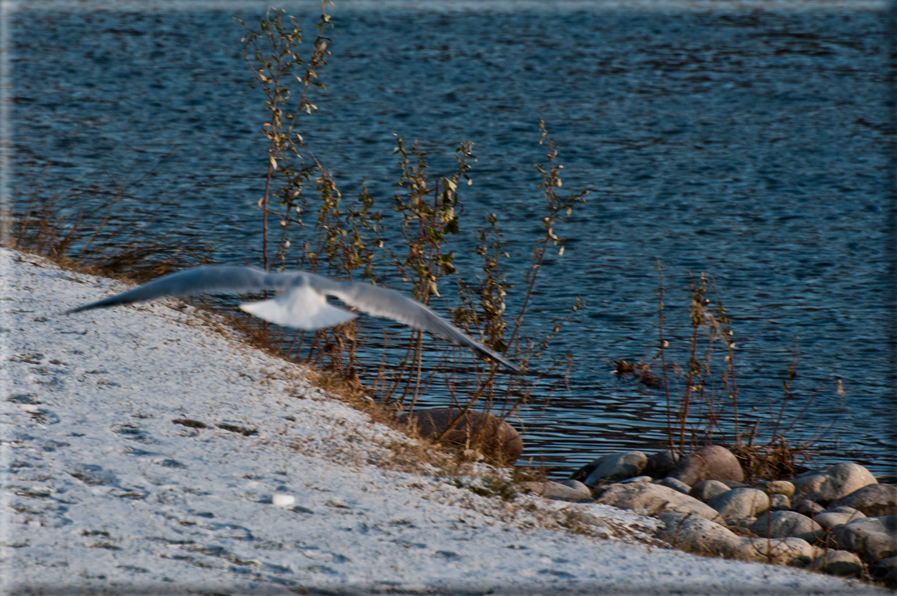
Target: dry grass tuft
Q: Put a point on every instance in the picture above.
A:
(88, 243)
(772, 461)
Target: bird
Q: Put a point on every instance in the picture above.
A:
(300, 301)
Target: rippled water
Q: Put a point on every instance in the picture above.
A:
(749, 144)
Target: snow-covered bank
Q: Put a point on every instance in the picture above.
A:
(142, 450)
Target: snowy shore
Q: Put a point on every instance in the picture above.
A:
(145, 450)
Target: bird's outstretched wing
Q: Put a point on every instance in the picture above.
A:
(390, 304)
(202, 280)
(301, 301)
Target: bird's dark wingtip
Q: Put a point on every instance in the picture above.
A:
(91, 306)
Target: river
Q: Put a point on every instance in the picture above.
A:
(745, 140)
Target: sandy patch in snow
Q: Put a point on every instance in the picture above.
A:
(274, 491)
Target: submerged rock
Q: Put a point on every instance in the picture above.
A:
(475, 430)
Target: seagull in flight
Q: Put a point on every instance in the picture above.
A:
(301, 301)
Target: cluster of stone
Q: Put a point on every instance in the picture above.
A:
(839, 520)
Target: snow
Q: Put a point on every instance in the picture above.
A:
(145, 448)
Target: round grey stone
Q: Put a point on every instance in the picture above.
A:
(781, 524)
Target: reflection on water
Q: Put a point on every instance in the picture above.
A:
(746, 144)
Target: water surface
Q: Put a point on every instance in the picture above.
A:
(749, 144)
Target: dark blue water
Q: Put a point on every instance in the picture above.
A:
(747, 144)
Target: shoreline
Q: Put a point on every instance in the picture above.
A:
(146, 450)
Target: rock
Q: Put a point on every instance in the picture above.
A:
(661, 463)
(588, 519)
(830, 520)
(780, 487)
(885, 571)
(739, 503)
(568, 490)
(489, 434)
(872, 538)
(675, 485)
(781, 524)
(779, 502)
(653, 499)
(574, 484)
(843, 509)
(707, 489)
(826, 485)
(713, 462)
(874, 500)
(818, 551)
(701, 536)
(839, 562)
(583, 472)
(783, 551)
(695, 534)
(617, 467)
(741, 525)
(636, 479)
(807, 507)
